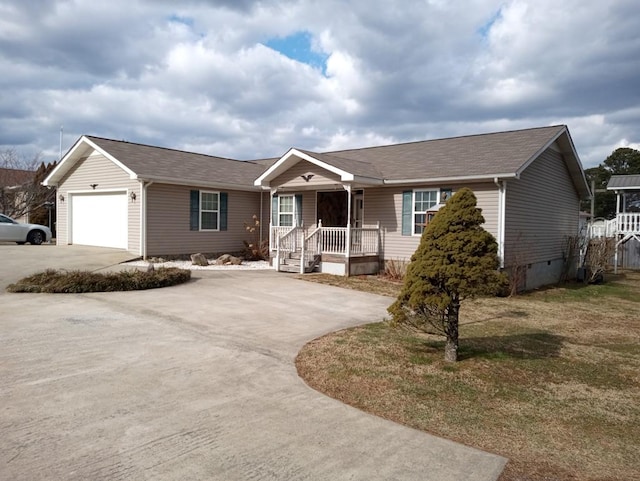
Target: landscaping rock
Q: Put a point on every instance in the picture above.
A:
(228, 259)
(199, 260)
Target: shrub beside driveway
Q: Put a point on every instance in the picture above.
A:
(66, 282)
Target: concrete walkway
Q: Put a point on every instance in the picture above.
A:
(196, 382)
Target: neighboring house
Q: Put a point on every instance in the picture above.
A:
(625, 227)
(342, 212)
(14, 195)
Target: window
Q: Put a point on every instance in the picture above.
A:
(423, 200)
(285, 211)
(209, 210)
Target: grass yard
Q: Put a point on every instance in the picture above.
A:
(550, 379)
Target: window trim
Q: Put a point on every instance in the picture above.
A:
(292, 213)
(201, 210)
(414, 211)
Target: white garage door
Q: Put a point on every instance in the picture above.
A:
(99, 219)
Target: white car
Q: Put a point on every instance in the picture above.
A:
(12, 231)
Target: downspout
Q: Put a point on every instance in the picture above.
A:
(143, 218)
(502, 196)
(261, 218)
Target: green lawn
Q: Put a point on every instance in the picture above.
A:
(550, 379)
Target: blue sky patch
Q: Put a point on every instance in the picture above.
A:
(188, 21)
(298, 47)
(484, 30)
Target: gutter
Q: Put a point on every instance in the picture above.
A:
(463, 178)
(143, 218)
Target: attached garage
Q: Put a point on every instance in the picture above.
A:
(99, 219)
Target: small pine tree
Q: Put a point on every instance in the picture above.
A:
(456, 260)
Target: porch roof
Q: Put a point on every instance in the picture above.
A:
(624, 182)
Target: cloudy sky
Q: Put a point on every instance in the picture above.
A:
(249, 79)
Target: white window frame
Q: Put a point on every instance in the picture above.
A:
(415, 212)
(217, 211)
(292, 213)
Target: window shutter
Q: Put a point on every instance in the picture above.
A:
(274, 210)
(195, 210)
(298, 210)
(407, 198)
(223, 210)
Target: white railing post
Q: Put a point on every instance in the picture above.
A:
(303, 257)
(277, 251)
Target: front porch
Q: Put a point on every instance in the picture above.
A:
(333, 250)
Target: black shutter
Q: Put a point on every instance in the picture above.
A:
(223, 210)
(195, 210)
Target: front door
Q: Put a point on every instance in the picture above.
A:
(332, 208)
(357, 210)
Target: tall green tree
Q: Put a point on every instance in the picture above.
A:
(622, 161)
(456, 260)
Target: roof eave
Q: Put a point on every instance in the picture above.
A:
(198, 183)
(459, 178)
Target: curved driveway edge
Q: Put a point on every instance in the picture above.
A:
(197, 382)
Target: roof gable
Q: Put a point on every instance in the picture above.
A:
(159, 164)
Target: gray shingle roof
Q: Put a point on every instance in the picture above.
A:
(473, 155)
(354, 166)
(15, 177)
(624, 182)
(158, 163)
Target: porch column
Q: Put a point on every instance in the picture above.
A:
(347, 252)
(617, 235)
(274, 243)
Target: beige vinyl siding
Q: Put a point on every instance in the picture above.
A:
(542, 208)
(384, 205)
(168, 221)
(97, 169)
(291, 179)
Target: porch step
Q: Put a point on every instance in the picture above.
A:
(292, 262)
(290, 268)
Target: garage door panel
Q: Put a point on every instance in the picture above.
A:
(99, 219)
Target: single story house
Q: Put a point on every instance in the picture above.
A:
(343, 212)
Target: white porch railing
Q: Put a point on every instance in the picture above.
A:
(603, 228)
(311, 247)
(628, 223)
(276, 233)
(365, 241)
(334, 240)
(326, 240)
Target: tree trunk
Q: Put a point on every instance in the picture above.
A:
(451, 346)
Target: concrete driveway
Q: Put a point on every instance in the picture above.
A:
(194, 382)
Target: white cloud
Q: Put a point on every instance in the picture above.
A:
(194, 75)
